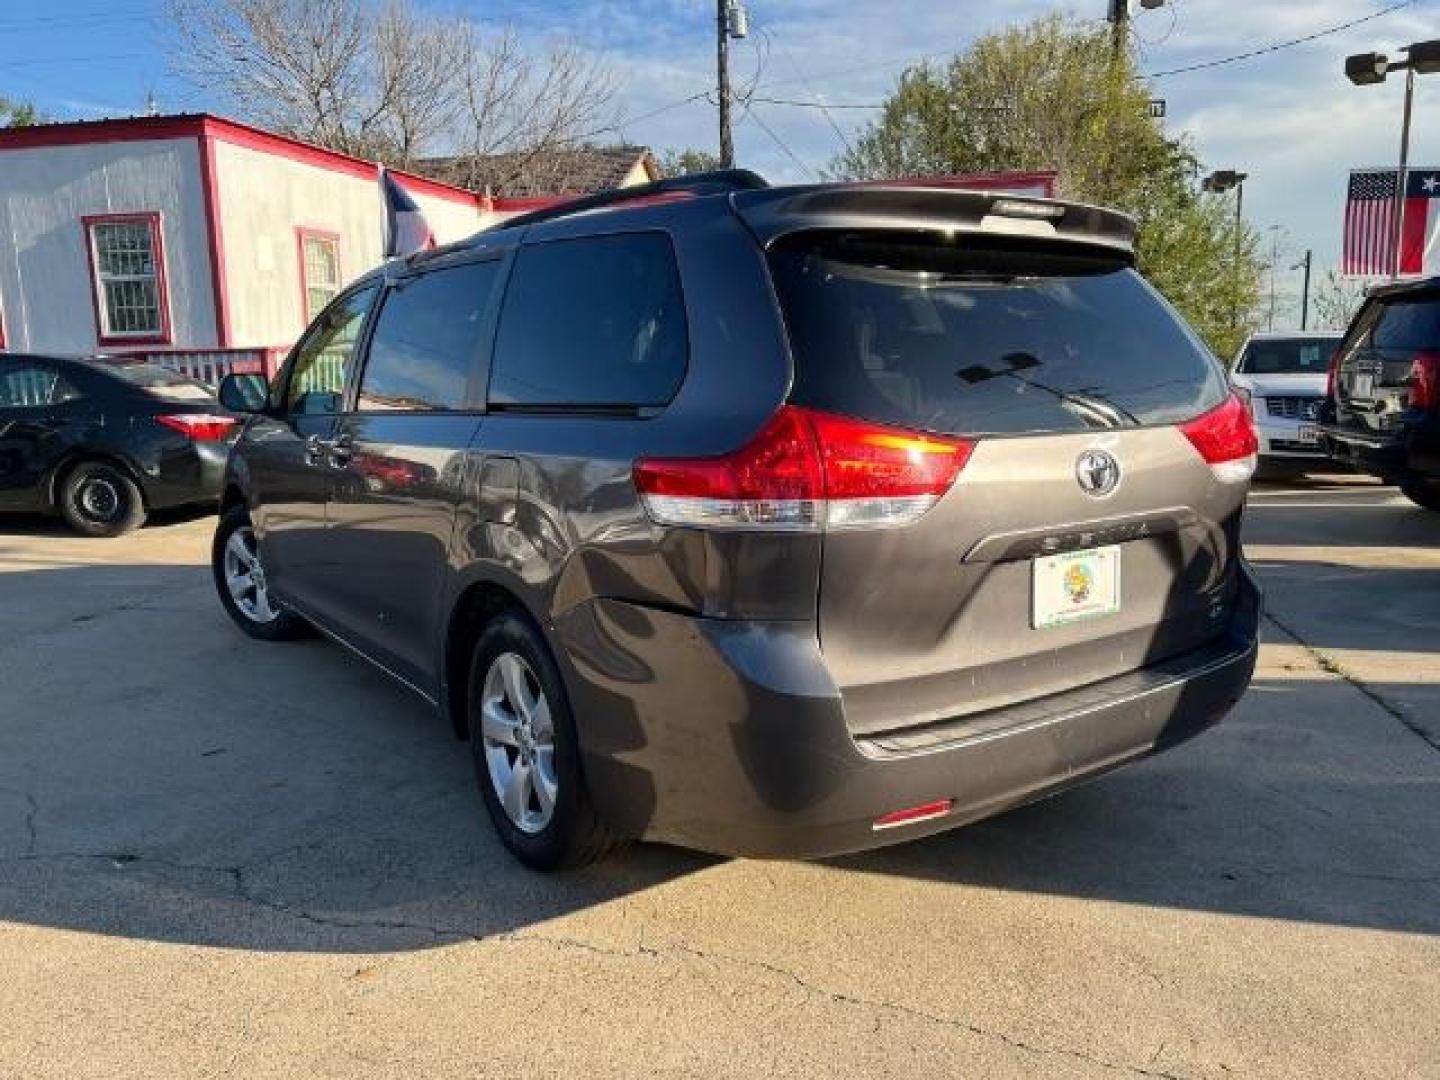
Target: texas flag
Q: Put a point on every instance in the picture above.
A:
(1419, 253)
(406, 230)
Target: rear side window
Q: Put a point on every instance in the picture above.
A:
(425, 348)
(971, 338)
(27, 386)
(593, 322)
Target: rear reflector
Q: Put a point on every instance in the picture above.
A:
(1225, 438)
(924, 812)
(1425, 381)
(201, 427)
(806, 471)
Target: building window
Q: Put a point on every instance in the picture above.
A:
(319, 269)
(127, 264)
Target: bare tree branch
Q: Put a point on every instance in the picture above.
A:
(378, 78)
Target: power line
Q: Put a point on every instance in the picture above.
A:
(751, 114)
(1237, 57)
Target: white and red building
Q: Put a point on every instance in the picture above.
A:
(195, 238)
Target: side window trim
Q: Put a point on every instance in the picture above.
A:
(280, 392)
(478, 382)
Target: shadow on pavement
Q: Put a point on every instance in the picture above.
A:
(163, 777)
(1304, 805)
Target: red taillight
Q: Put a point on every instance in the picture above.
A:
(1225, 438)
(924, 812)
(806, 470)
(1425, 381)
(200, 427)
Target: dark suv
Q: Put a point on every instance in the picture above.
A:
(1383, 413)
(775, 521)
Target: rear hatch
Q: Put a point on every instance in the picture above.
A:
(1389, 364)
(1087, 534)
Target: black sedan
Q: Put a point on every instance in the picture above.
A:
(105, 440)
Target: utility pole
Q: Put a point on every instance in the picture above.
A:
(1305, 289)
(1119, 16)
(722, 68)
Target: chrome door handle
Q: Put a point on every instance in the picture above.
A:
(315, 450)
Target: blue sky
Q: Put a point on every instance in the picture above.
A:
(1288, 118)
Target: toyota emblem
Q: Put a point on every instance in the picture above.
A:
(1098, 473)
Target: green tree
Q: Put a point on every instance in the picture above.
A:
(685, 162)
(17, 113)
(1053, 95)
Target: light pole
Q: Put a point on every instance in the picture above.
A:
(1305, 290)
(1219, 182)
(1367, 69)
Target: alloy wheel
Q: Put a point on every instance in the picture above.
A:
(519, 742)
(245, 577)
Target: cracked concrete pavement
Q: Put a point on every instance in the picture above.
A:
(224, 858)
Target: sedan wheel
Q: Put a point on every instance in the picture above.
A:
(245, 577)
(519, 743)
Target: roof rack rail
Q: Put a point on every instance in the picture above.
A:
(707, 183)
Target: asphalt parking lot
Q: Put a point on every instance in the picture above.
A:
(219, 857)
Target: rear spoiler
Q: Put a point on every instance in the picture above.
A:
(776, 212)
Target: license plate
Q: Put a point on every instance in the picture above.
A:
(1309, 433)
(1362, 387)
(1074, 586)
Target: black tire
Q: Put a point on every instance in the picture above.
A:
(100, 499)
(1423, 493)
(573, 835)
(281, 625)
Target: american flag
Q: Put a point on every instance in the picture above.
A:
(1370, 223)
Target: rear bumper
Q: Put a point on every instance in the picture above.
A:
(732, 737)
(187, 474)
(1410, 453)
(1364, 451)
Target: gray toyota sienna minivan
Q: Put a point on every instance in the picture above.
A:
(775, 521)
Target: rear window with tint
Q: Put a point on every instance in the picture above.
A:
(980, 339)
(1412, 323)
(159, 381)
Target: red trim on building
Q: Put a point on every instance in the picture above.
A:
(203, 125)
(162, 292)
(303, 233)
(423, 185)
(503, 205)
(84, 132)
(214, 238)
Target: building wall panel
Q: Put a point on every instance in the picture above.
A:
(45, 285)
(265, 198)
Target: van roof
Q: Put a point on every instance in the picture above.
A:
(772, 212)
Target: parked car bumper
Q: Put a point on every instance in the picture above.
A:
(732, 737)
(1410, 452)
(1281, 439)
(186, 474)
(1381, 454)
